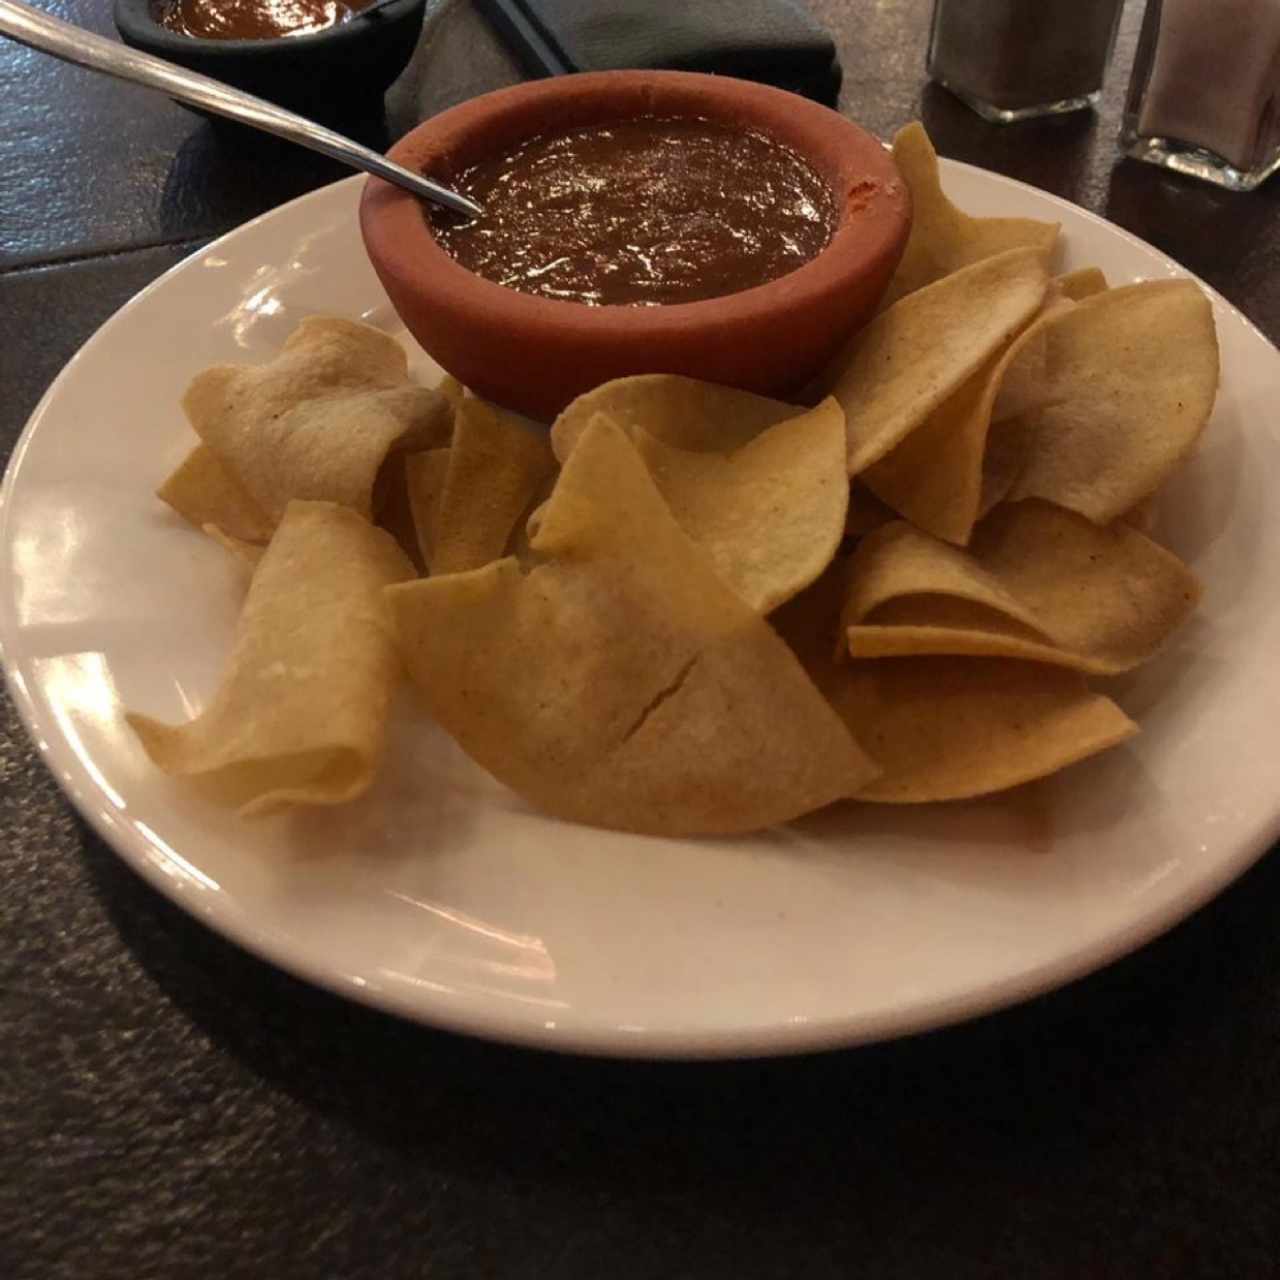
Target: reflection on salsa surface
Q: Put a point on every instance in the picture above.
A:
(640, 212)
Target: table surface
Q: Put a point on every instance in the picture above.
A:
(170, 1106)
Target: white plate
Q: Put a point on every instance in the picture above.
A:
(443, 897)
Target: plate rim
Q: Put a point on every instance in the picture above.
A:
(229, 918)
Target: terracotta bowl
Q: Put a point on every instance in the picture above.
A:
(536, 354)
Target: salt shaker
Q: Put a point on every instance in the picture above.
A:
(1014, 59)
(1203, 97)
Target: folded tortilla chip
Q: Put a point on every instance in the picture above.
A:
(1002, 462)
(1143, 516)
(319, 420)
(425, 474)
(452, 390)
(1037, 583)
(938, 477)
(676, 410)
(496, 467)
(1082, 283)
(392, 509)
(913, 357)
(770, 513)
(954, 728)
(619, 682)
(1130, 380)
(300, 714)
(249, 554)
(1023, 383)
(944, 239)
(204, 492)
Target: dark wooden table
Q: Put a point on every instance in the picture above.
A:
(170, 1107)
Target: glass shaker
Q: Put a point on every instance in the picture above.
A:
(1203, 98)
(1014, 59)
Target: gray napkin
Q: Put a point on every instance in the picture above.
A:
(775, 41)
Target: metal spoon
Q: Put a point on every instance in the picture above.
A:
(73, 44)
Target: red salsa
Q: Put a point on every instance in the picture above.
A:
(640, 212)
(253, 19)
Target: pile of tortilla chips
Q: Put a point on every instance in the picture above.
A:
(693, 610)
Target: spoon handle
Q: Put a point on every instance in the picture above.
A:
(73, 44)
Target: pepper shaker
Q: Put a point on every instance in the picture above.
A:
(1203, 97)
(1012, 60)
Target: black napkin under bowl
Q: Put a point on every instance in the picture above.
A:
(775, 41)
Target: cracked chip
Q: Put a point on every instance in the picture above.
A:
(618, 681)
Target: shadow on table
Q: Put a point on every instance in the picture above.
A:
(1055, 153)
(1076, 1074)
(224, 173)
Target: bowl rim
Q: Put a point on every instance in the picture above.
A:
(135, 18)
(397, 236)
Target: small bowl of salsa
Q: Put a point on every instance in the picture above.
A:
(638, 222)
(323, 58)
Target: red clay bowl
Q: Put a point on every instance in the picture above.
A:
(536, 354)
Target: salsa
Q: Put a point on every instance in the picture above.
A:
(640, 212)
(253, 19)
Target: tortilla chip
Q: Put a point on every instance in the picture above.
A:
(1131, 376)
(1023, 384)
(934, 477)
(534, 522)
(519, 544)
(452, 390)
(249, 554)
(948, 625)
(940, 477)
(899, 562)
(324, 356)
(496, 466)
(1111, 592)
(424, 475)
(955, 728)
(910, 359)
(943, 239)
(1143, 516)
(620, 682)
(203, 492)
(1002, 463)
(318, 421)
(1037, 582)
(678, 411)
(391, 508)
(1082, 283)
(300, 714)
(771, 513)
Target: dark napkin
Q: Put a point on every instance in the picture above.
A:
(776, 41)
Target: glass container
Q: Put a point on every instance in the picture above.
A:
(1202, 100)
(1012, 60)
